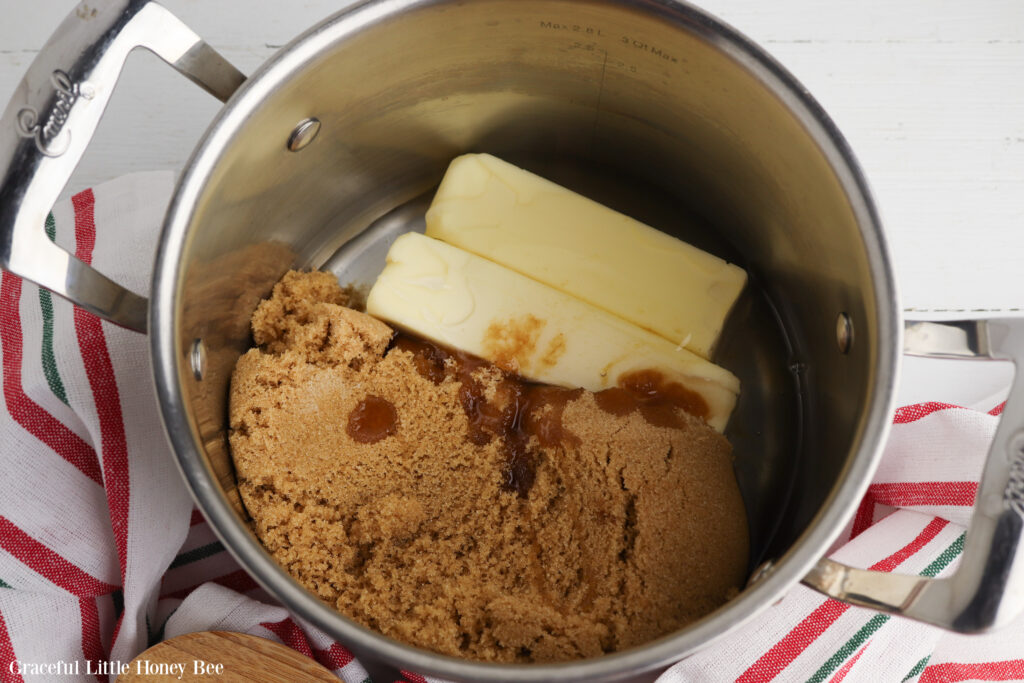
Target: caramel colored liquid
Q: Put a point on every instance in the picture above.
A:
(521, 409)
(657, 399)
(518, 411)
(372, 419)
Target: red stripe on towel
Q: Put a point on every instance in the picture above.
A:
(915, 412)
(333, 657)
(26, 412)
(775, 660)
(8, 669)
(950, 672)
(92, 646)
(49, 564)
(841, 674)
(100, 371)
(905, 494)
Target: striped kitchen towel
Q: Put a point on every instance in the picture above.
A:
(103, 555)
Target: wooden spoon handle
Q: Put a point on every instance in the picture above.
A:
(215, 656)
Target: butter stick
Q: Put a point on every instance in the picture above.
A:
(542, 230)
(463, 301)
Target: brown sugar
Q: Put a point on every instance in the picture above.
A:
(469, 512)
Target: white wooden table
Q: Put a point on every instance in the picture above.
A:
(930, 94)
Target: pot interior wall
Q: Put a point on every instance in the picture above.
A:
(634, 105)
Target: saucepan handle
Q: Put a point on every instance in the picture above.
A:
(51, 119)
(987, 589)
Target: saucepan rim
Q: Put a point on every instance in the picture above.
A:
(170, 358)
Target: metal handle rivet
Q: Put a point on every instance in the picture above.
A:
(844, 333)
(303, 134)
(197, 359)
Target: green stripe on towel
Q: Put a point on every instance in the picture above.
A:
(876, 622)
(46, 304)
(197, 554)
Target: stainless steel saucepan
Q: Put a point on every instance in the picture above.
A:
(652, 107)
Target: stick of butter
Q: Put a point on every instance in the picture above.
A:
(463, 301)
(542, 230)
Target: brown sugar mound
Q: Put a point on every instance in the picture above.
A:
(436, 499)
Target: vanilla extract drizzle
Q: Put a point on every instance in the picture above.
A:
(374, 418)
(521, 409)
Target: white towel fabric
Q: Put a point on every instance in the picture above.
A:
(103, 555)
